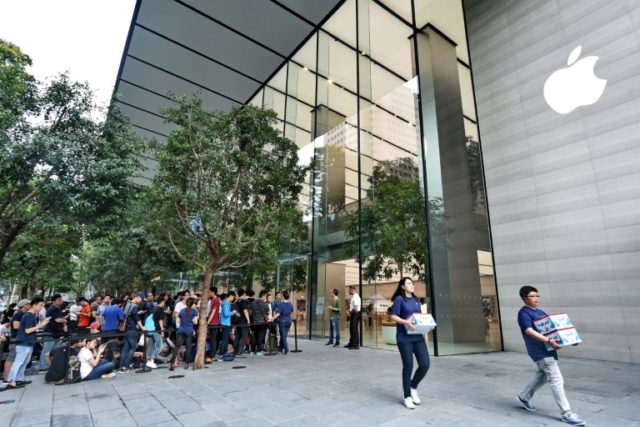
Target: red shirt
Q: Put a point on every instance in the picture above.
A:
(215, 305)
(83, 321)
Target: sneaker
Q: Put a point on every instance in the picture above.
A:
(151, 364)
(408, 403)
(573, 419)
(414, 396)
(329, 343)
(259, 353)
(108, 376)
(123, 371)
(526, 404)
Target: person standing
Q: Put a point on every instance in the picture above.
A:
(225, 322)
(22, 307)
(545, 360)
(159, 319)
(213, 321)
(334, 319)
(354, 320)
(84, 317)
(242, 328)
(112, 315)
(405, 303)
(56, 328)
(184, 334)
(259, 314)
(285, 309)
(25, 340)
(133, 323)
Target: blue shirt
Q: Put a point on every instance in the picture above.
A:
(285, 308)
(536, 349)
(17, 317)
(225, 313)
(112, 315)
(23, 338)
(186, 320)
(404, 307)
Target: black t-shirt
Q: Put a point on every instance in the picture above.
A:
(242, 305)
(17, 317)
(53, 327)
(58, 360)
(158, 315)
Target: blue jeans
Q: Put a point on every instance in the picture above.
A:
(155, 345)
(103, 367)
(334, 326)
(284, 332)
(23, 356)
(129, 347)
(224, 342)
(407, 350)
(48, 347)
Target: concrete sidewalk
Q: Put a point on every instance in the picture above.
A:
(325, 386)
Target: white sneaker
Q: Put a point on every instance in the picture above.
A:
(151, 364)
(408, 403)
(414, 396)
(108, 376)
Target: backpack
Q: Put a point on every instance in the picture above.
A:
(73, 371)
(149, 324)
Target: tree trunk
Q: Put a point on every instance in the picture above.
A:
(202, 316)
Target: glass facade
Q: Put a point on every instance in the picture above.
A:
(380, 101)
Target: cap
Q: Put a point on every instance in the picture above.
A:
(23, 302)
(94, 325)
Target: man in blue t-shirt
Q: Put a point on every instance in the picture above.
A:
(546, 360)
(25, 340)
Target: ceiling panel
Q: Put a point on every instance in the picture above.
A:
(313, 10)
(205, 36)
(161, 82)
(168, 56)
(249, 17)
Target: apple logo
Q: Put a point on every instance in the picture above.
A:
(575, 85)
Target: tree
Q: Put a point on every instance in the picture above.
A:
(393, 223)
(56, 159)
(226, 186)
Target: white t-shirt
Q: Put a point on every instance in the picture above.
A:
(84, 355)
(179, 306)
(355, 302)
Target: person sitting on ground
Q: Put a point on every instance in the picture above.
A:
(113, 348)
(55, 373)
(91, 365)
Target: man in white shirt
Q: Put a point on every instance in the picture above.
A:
(354, 319)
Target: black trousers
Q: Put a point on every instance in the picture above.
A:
(259, 331)
(354, 330)
(242, 333)
(215, 335)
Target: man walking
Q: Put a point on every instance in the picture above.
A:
(354, 321)
(334, 319)
(546, 360)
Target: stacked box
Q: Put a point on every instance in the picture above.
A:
(564, 337)
(558, 327)
(552, 322)
(424, 323)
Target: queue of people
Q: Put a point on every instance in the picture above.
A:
(138, 331)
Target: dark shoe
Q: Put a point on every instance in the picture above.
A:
(329, 343)
(25, 382)
(13, 387)
(347, 346)
(336, 345)
(354, 348)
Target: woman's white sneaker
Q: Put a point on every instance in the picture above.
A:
(408, 403)
(414, 396)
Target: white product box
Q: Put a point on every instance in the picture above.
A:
(564, 337)
(552, 322)
(423, 323)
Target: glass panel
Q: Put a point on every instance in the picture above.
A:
(393, 222)
(274, 100)
(446, 16)
(465, 302)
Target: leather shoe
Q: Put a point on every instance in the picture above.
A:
(347, 346)
(329, 343)
(337, 345)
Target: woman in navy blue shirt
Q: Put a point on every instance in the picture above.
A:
(186, 319)
(405, 303)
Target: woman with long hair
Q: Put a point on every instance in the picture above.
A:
(187, 317)
(405, 303)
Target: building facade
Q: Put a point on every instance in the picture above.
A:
(436, 154)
